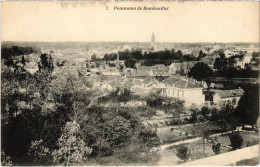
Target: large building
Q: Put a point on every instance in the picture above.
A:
(223, 97)
(185, 89)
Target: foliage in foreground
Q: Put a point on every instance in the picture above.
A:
(236, 140)
(33, 123)
(183, 152)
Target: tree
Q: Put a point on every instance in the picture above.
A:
(205, 111)
(46, 63)
(94, 57)
(111, 64)
(216, 148)
(5, 160)
(130, 63)
(121, 67)
(247, 110)
(203, 131)
(97, 64)
(183, 152)
(154, 100)
(200, 71)
(72, 148)
(39, 153)
(236, 140)
(223, 118)
(125, 95)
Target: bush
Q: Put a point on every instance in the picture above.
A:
(253, 142)
(236, 140)
(5, 160)
(39, 153)
(71, 147)
(183, 152)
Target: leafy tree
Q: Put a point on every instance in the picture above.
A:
(154, 100)
(121, 67)
(5, 160)
(39, 153)
(247, 110)
(97, 64)
(178, 55)
(200, 71)
(111, 64)
(46, 63)
(125, 95)
(205, 111)
(94, 57)
(130, 63)
(224, 118)
(183, 152)
(216, 148)
(203, 131)
(236, 140)
(72, 148)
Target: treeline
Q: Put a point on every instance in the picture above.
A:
(233, 72)
(202, 71)
(151, 58)
(12, 55)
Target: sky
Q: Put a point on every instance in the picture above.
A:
(91, 22)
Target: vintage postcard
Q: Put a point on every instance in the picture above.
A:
(130, 83)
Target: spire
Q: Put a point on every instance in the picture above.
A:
(153, 38)
(153, 42)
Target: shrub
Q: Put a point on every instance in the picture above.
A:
(236, 140)
(251, 143)
(71, 148)
(183, 152)
(39, 153)
(5, 160)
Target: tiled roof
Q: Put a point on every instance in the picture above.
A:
(159, 66)
(171, 80)
(186, 84)
(180, 82)
(114, 84)
(140, 73)
(160, 71)
(137, 82)
(149, 79)
(229, 93)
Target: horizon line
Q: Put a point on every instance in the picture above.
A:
(128, 42)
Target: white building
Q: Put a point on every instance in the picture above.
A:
(185, 89)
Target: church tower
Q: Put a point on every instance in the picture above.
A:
(153, 41)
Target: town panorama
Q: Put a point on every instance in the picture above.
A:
(129, 103)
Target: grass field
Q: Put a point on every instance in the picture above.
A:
(197, 146)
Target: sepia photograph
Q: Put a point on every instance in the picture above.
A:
(130, 83)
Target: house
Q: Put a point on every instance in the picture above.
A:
(149, 83)
(137, 83)
(173, 68)
(185, 89)
(110, 71)
(111, 85)
(159, 66)
(223, 97)
(184, 67)
(158, 72)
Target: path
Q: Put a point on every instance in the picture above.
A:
(229, 158)
(162, 147)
